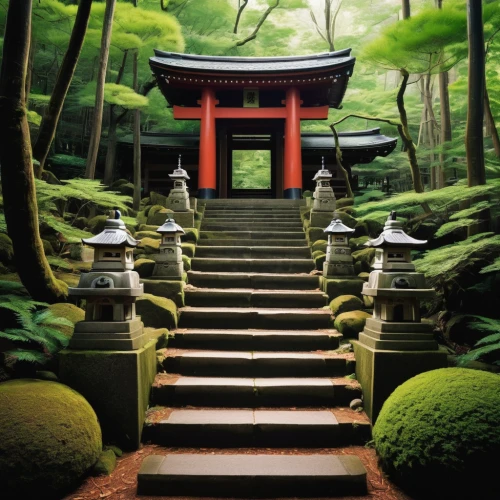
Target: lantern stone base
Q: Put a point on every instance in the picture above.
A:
(402, 336)
(169, 271)
(321, 219)
(332, 270)
(341, 285)
(115, 335)
(117, 385)
(380, 371)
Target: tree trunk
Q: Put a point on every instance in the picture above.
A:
(113, 123)
(404, 133)
(444, 103)
(490, 120)
(18, 181)
(137, 143)
(95, 135)
(63, 81)
(338, 160)
(406, 8)
(474, 146)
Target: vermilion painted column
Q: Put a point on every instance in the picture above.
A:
(292, 182)
(207, 172)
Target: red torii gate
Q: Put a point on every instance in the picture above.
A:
(320, 79)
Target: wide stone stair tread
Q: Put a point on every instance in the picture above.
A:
(251, 476)
(253, 251)
(252, 265)
(282, 281)
(251, 226)
(251, 235)
(256, 364)
(211, 216)
(232, 427)
(178, 390)
(235, 242)
(199, 338)
(248, 297)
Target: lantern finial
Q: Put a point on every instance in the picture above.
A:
(179, 162)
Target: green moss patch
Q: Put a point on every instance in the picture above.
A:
(351, 323)
(191, 235)
(68, 311)
(442, 427)
(157, 312)
(319, 245)
(147, 234)
(6, 249)
(106, 464)
(149, 245)
(345, 303)
(188, 249)
(173, 290)
(144, 267)
(49, 438)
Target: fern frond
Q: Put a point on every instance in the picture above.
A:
(463, 214)
(24, 335)
(490, 339)
(493, 267)
(486, 352)
(29, 356)
(7, 287)
(47, 317)
(449, 227)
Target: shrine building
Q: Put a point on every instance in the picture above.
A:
(248, 103)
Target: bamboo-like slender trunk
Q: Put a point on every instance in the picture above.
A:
(63, 81)
(95, 135)
(18, 181)
(137, 142)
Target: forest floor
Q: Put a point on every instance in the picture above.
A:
(122, 483)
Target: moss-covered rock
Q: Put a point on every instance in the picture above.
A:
(154, 209)
(157, 312)
(47, 248)
(81, 222)
(314, 234)
(360, 229)
(159, 334)
(319, 245)
(358, 243)
(157, 199)
(334, 287)
(116, 184)
(374, 227)
(126, 189)
(351, 323)
(147, 227)
(188, 249)
(144, 267)
(348, 210)
(106, 463)
(345, 303)
(442, 428)
(186, 262)
(96, 224)
(191, 235)
(148, 246)
(141, 218)
(319, 259)
(364, 276)
(170, 289)
(68, 311)
(49, 438)
(158, 217)
(345, 202)
(6, 249)
(347, 219)
(147, 234)
(365, 255)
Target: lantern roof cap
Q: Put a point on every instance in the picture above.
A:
(179, 173)
(322, 174)
(337, 226)
(394, 236)
(114, 234)
(170, 226)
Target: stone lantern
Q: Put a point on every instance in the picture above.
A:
(110, 289)
(395, 344)
(178, 198)
(338, 253)
(169, 264)
(323, 197)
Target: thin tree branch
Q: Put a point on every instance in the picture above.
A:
(238, 16)
(259, 24)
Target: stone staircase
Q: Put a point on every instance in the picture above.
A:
(252, 370)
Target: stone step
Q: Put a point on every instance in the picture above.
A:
(281, 281)
(248, 297)
(203, 363)
(255, 340)
(247, 392)
(235, 242)
(253, 235)
(250, 317)
(251, 252)
(230, 428)
(252, 476)
(253, 265)
(269, 226)
(251, 203)
(217, 215)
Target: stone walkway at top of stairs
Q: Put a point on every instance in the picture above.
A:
(253, 364)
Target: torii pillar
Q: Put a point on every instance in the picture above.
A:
(292, 182)
(207, 173)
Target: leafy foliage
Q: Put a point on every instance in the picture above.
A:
(488, 348)
(27, 327)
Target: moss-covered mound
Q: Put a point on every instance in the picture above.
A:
(49, 438)
(351, 323)
(345, 303)
(442, 428)
(157, 312)
(68, 311)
